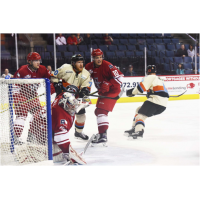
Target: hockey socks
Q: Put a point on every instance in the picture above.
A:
(102, 120)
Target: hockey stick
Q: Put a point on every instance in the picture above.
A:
(24, 102)
(88, 143)
(169, 96)
(115, 98)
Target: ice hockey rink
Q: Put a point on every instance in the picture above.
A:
(170, 139)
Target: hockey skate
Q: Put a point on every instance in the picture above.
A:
(100, 139)
(80, 136)
(129, 132)
(137, 134)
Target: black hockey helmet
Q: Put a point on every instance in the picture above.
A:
(75, 58)
(151, 69)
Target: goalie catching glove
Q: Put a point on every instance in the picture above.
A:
(84, 92)
(129, 93)
(105, 87)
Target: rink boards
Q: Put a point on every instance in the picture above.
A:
(175, 85)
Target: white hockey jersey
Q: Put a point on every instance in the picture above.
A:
(70, 77)
(155, 88)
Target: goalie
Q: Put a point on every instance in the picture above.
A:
(75, 79)
(156, 103)
(64, 108)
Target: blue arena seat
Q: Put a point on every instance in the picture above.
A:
(158, 35)
(186, 46)
(116, 41)
(169, 53)
(38, 48)
(187, 66)
(87, 54)
(158, 41)
(169, 60)
(122, 47)
(187, 59)
(61, 48)
(79, 52)
(68, 54)
(131, 47)
(3, 48)
(168, 35)
(150, 35)
(151, 53)
(141, 47)
(120, 54)
(82, 48)
(132, 41)
(178, 45)
(161, 53)
(112, 48)
(45, 55)
(50, 48)
(178, 59)
(157, 60)
(58, 54)
(133, 35)
(166, 41)
(150, 41)
(174, 40)
(160, 47)
(94, 46)
(115, 36)
(188, 71)
(171, 47)
(72, 48)
(151, 47)
(130, 54)
(125, 36)
(110, 54)
(142, 35)
(167, 67)
(98, 36)
(124, 41)
(162, 60)
(103, 47)
(139, 53)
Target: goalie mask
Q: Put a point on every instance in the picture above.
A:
(69, 103)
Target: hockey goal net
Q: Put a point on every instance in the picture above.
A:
(25, 121)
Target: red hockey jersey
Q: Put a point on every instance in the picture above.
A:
(62, 121)
(106, 72)
(25, 72)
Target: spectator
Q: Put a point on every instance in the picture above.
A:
(180, 69)
(60, 39)
(72, 40)
(191, 51)
(130, 71)
(181, 52)
(107, 39)
(88, 39)
(79, 39)
(6, 72)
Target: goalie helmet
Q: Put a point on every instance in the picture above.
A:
(97, 52)
(33, 56)
(151, 69)
(69, 103)
(73, 88)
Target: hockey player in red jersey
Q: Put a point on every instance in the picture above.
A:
(64, 108)
(27, 92)
(107, 79)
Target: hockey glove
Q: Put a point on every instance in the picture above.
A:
(58, 88)
(105, 87)
(84, 92)
(129, 93)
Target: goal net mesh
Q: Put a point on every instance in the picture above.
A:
(23, 121)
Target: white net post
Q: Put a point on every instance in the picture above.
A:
(25, 121)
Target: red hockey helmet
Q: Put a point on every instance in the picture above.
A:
(33, 56)
(97, 52)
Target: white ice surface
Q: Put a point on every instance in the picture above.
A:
(171, 138)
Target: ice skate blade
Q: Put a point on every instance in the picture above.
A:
(104, 144)
(78, 138)
(126, 134)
